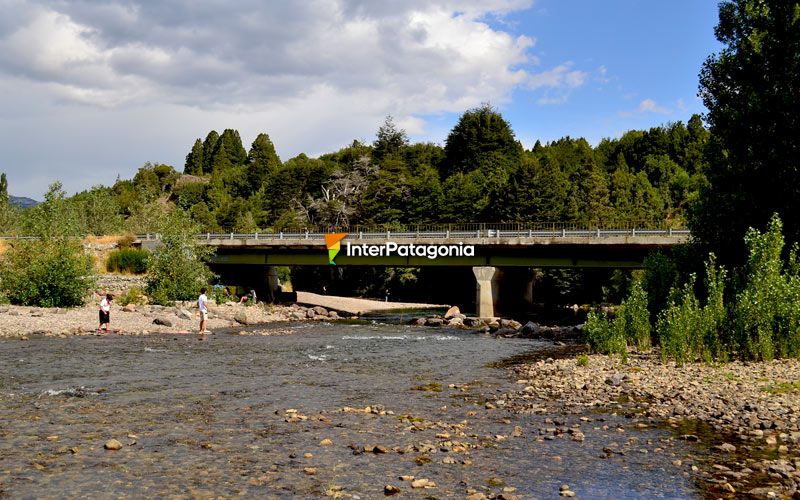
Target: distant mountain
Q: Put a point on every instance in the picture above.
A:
(22, 202)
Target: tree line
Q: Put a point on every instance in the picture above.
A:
(481, 174)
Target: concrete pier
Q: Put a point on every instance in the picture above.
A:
(484, 302)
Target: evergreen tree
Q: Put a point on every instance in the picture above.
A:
(194, 160)
(209, 148)
(232, 142)
(389, 141)
(220, 161)
(3, 189)
(262, 160)
(752, 92)
(478, 133)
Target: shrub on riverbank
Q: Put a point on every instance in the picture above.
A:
(46, 274)
(177, 268)
(53, 270)
(757, 319)
(630, 325)
(127, 260)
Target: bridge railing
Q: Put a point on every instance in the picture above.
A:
(481, 231)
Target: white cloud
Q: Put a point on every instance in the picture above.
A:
(651, 106)
(149, 77)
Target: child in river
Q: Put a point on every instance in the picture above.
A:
(105, 313)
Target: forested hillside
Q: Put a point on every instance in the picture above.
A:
(482, 174)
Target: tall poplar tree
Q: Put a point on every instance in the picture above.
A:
(752, 92)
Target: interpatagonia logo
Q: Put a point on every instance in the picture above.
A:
(333, 242)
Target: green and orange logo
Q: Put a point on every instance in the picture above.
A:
(333, 242)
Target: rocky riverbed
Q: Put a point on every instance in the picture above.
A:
(21, 322)
(343, 410)
(745, 414)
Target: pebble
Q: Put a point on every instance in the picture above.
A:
(390, 490)
(113, 444)
(326, 442)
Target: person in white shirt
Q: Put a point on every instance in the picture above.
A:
(202, 304)
(105, 313)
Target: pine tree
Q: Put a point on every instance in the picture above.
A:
(220, 162)
(3, 189)
(233, 146)
(262, 160)
(389, 141)
(209, 148)
(194, 160)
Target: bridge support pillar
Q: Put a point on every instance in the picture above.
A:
(273, 284)
(484, 301)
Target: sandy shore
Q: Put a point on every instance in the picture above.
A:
(358, 306)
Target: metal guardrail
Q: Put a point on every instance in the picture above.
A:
(479, 233)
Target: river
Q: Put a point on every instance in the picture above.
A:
(283, 417)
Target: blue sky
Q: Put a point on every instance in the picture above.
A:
(91, 91)
(632, 51)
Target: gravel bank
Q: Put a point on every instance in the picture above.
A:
(747, 413)
(21, 321)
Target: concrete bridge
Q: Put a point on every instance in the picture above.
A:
(497, 253)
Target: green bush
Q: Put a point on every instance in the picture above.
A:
(134, 295)
(766, 313)
(582, 360)
(128, 260)
(688, 330)
(637, 317)
(177, 267)
(607, 336)
(46, 273)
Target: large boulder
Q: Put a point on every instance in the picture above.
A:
(320, 311)
(530, 329)
(162, 321)
(452, 312)
(455, 321)
(183, 314)
(434, 322)
(241, 318)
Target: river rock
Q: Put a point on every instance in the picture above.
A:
(455, 321)
(113, 444)
(530, 329)
(452, 312)
(333, 315)
(615, 379)
(472, 321)
(418, 321)
(319, 310)
(241, 318)
(726, 447)
(183, 314)
(390, 490)
(129, 308)
(506, 332)
(162, 321)
(434, 322)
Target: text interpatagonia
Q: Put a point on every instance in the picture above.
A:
(391, 248)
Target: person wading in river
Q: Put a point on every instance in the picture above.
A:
(202, 304)
(105, 313)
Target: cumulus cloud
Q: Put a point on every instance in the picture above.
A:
(651, 106)
(313, 74)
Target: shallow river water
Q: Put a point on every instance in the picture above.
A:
(209, 418)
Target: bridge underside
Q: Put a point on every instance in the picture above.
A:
(553, 256)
